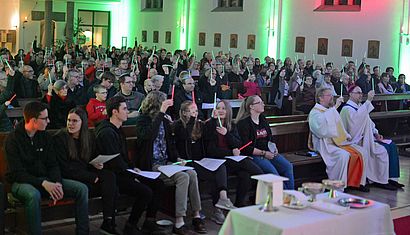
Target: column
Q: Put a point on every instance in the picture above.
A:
(69, 28)
(48, 28)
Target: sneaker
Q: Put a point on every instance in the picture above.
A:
(108, 228)
(225, 204)
(199, 225)
(218, 217)
(183, 231)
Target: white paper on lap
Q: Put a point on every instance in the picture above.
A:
(210, 163)
(146, 174)
(170, 170)
(101, 159)
(236, 158)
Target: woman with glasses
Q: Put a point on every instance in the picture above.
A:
(75, 150)
(96, 106)
(255, 131)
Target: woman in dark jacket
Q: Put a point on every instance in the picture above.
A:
(59, 104)
(222, 139)
(157, 150)
(75, 150)
(189, 144)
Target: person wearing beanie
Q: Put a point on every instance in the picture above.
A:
(58, 103)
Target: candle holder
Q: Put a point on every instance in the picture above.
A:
(313, 189)
(268, 205)
(333, 186)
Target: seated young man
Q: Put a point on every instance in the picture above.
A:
(96, 106)
(34, 173)
(111, 140)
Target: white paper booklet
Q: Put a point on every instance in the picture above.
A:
(170, 170)
(236, 158)
(210, 163)
(146, 174)
(101, 159)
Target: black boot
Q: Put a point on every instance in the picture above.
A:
(108, 227)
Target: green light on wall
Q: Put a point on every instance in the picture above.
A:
(273, 28)
(404, 51)
(404, 67)
(183, 23)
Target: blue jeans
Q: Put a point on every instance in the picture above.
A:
(31, 196)
(278, 166)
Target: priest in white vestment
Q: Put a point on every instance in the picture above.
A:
(356, 119)
(330, 139)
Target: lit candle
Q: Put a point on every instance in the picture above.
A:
(193, 97)
(372, 83)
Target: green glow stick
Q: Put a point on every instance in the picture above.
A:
(177, 163)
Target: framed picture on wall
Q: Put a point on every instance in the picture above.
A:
(373, 49)
(322, 46)
(201, 39)
(217, 40)
(168, 37)
(144, 36)
(251, 42)
(300, 45)
(347, 47)
(155, 37)
(233, 41)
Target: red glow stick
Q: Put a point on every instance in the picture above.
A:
(173, 91)
(246, 145)
(14, 96)
(193, 97)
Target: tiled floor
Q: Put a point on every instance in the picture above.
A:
(399, 201)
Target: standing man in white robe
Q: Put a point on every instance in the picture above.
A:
(356, 119)
(329, 138)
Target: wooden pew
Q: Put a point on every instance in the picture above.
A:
(49, 213)
(291, 140)
(286, 118)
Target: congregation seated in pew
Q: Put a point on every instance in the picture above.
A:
(290, 87)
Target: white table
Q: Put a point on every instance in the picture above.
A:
(374, 220)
